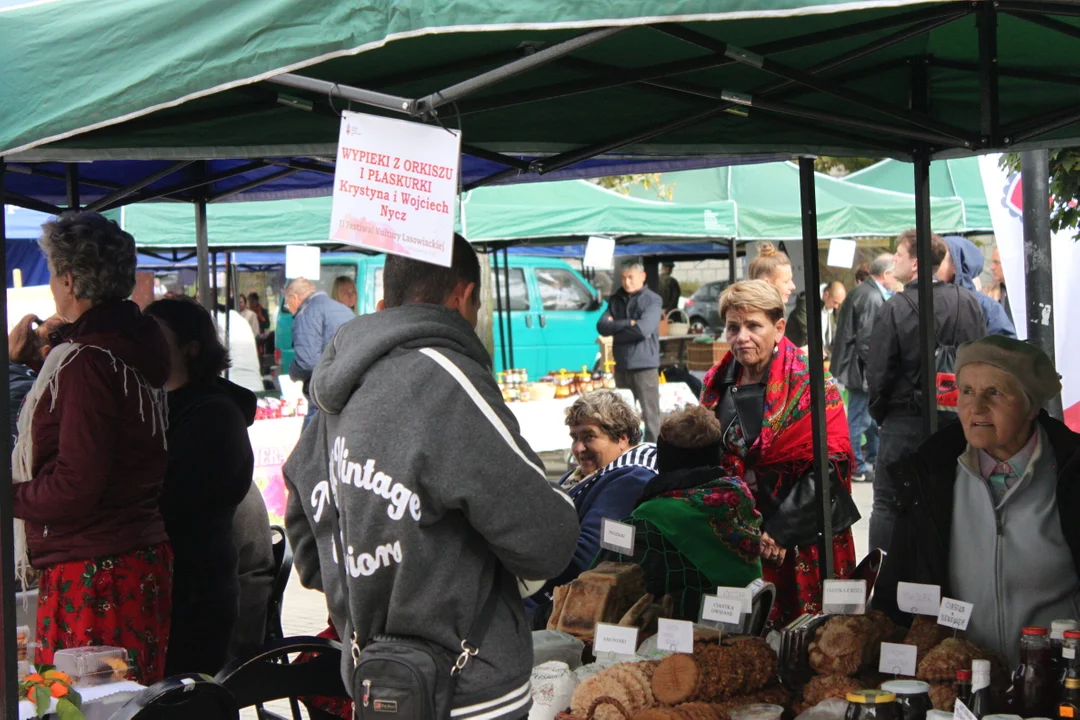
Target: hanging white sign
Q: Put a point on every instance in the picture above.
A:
(599, 253)
(395, 186)
(302, 261)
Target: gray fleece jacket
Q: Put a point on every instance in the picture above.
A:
(431, 477)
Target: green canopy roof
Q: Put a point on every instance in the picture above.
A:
(148, 79)
(959, 177)
(766, 198)
(750, 202)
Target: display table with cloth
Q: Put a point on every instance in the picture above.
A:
(98, 702)
(543, 422)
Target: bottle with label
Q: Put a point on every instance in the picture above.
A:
(963, 687)
(982, 703)
(1033, 692)
(1058, 628)
(1069, 708)
(1070, 657)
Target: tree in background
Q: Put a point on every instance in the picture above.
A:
(841, 166)
(1064, 187)
(649, 181)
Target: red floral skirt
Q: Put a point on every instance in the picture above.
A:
(118, 600)
(338, 707)
(798, 579)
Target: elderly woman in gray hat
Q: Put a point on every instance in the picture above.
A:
(990, 506)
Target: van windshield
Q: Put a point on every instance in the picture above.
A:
(329, 273)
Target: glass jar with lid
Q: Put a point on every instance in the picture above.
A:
(871, 705)
(912, 698)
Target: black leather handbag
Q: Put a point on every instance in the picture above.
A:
(796, 521)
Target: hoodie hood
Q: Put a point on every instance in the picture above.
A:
(119, 327)
(967, 260)
(244, 398)
(369, 338)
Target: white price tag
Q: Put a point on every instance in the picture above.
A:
(616, 536)
(918, 599)
(955, 614)
(898, 659)
(841, 253)
(675, 635)
(736, 593)
(844, 597)
(1068, 653)
(722, 610)
(617, 639)
(961, 711)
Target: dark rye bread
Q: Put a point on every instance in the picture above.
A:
(603, 594)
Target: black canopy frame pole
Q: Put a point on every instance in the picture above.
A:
(229, 290)
(733, 256)
(9, 701)
(138, 185)
(500, 308)
(808, 198)
(927, 327)
(509, 317)
(213, 284)
(202, 249)
(201, 181)
(1039, 257)
(71, 172)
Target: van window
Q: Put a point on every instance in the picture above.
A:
(519, 292)
(561, 290)
(329, 273)
(378, 286)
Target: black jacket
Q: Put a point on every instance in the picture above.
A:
(851, 343)
(919, 551)
(893, 371)
(796, 330)
(209, 473)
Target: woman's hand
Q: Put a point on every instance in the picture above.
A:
(771, 551)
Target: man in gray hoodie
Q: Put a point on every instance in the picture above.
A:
(433, 484)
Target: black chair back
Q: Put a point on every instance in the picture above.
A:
(181, 697)
(268, 676)
(283, 562)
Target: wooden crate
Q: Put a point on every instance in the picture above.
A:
(702, 356)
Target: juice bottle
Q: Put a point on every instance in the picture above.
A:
(963, 687)
(1033, 689)
(1069, 708)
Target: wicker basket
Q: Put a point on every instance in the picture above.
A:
(702, 356)
(602, 700)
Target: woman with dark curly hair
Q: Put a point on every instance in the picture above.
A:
(90, 459)
(208, 475)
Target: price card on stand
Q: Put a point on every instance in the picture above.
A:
(617, 639)
(898, 659)
(675, 635)
(616, 536)
(955, 614)
(721, 610)
(961, 712)
(844, 597)
(736, 593)
(918, 599)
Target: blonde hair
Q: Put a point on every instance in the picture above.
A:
(752, 295)
(607, 410)
(691, 427)
(767, 262)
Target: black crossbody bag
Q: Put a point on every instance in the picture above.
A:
(399, 677)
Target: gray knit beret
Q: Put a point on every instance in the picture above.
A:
(1026, 362)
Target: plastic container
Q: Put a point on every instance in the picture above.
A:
(553, 645)
(24, 669)
(757, 711)
(912, 697)
(22, 643)
(93, 665)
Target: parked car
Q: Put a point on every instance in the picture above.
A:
(703, 306)
(552, 311)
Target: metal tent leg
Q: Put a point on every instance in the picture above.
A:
(9, 701)
(808, 197)
(509, 322)
(927, 328)
(733, 257)
(202, 244)
(1038, 256)
(71, 170)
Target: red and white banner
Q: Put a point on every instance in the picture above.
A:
(1004, 196)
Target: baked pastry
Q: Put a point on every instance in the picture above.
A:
(942, 662)
(846, 644)
(823, 687)
(633, 615)
(943, 696)
(675, 679)
(119, 668)
(925, 634)
(603, 594)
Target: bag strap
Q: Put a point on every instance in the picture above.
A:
(474, 638)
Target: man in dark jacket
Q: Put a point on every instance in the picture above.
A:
(897, 390)
(438, 497)
(963, 262)
(850, 355)
(832, 297)
(669, 286)
(632, 318)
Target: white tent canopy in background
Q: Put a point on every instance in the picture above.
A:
(1006, 208)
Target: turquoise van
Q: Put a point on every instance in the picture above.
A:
(553, 310)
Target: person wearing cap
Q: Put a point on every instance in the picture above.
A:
(987, 507)
(669, 287)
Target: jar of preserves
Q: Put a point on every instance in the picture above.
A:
(912, 698)
(1034, 688)
(871, 705)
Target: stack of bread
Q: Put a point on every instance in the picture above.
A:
(844, 654)
(609, 593)
(718, 676)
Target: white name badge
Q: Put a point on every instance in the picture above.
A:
(617, 639)
(918, 599)
(955, 614)
(844, 597)
(675, 635)
(736, 593)
(721, 610)
(898, 659)
(617, 537)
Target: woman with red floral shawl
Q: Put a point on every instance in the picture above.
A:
(760, 392)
